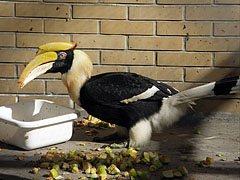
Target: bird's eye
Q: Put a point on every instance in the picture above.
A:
(62, 55)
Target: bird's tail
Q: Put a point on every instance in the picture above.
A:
(225, 86)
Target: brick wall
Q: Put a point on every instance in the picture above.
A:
(184, 43)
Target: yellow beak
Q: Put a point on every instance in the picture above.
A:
(39, 65)
(43, 61)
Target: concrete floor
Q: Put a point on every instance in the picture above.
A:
(220, 134)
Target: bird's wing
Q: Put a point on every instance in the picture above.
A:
(123, 88)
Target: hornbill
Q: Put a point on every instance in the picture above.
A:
(136, 104)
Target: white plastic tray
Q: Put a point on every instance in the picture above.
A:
(36, 123)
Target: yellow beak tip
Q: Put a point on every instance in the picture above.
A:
(20, 84)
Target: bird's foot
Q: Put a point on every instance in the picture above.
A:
(122, 142)
(111, 137)
(120, 145)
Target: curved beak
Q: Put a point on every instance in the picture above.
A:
(38, 66)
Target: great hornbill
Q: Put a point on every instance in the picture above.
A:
(137, 104)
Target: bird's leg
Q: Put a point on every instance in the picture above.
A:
(120, 135)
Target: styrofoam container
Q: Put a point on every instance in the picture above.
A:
(36, 123)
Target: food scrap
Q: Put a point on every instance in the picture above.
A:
(107, 162)
(21, 158)
(197, 132)
(207, 162)
(92, 122)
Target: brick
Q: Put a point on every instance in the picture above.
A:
(6, 100)
(155, 43)
(184, 2)
(11, 86)
(6, 9)
(7, 40)
(105, 69)
(35, 40)
(7, 70)
(180, 86)
(42, 10)
(227, 29)
(127, 27)
(56, 87)
(155, 13)
(184, 59)
(227, 59)
(127, 58)
(16, 55)
(71, 26)
(99, 12)
(94, 56)
(68, 1)
(129, 1)
(44, 76)
(227, 1)
(159, 73)
(212, 13)
(27, 0)
(213, 44)
(103, 42)
(182, 28)
(211, 105)
(21, 25)
(209, 75)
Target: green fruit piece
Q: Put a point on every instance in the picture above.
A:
(56, 158)
(209, 160)
(125, 174)
(139, 173)
(123, 166)
(102, 169)
(197, 132)
(56, 166)
(168, 174)
(113, 169)
(94, 176)
(153, 168)
(102, 156)
(93, 170)
(157, 163)
(65, 165)
(73, 165)
(102, 176)
(132, 152)
(133, 172)
(75, 170)
(83, 177)
(183, 170)
(35, 170)
(87, 166)
(144, 175)
(177, 173)
(108, 149)
(164, 159)
(53, 173)
(146, 157)
(45, 165)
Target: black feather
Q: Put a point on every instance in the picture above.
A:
(101, 97)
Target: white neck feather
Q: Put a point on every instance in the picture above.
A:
(77, 75)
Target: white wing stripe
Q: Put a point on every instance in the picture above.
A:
(147, 94)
